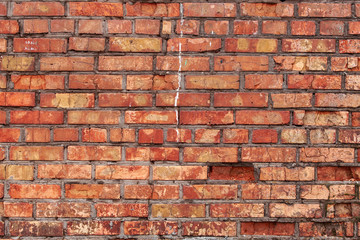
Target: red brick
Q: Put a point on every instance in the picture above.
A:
(121, 210)
(93, 117)
(21, 209)
(291, 100)
(303, 28)
(152, 82)
(237, 210)
(87, 44)
(36, 153)
(122, 172)
(120, 44)
(152, 154)
(187, 27)
(66, 64)
(125, 100)
(3, 9)
(212, 82)
(337, 100)
(338, 173)
(17, 99)
(38, 9)
(150, 228)
(94, 135)
(36, 228)
(254, 117)
(3, 45)
(354, 27)
(300, 63)
(235, 135)
(171, 63)
(178, 210)
(150, 117)
(66, 135)
(193, 44)
(155, 136)
(232, 173)
(264, 136)
(62, 26)
(151, 192)
(93, 191)
(36, 26)
(267, 228)
(345, 64)
(240, 99)
(287, 174)
(183, 99)
(2, 118)
(246, 27)
(295, 210)
(168, 173)
(203, 228)
(210, 154)
(37, 135)
(261, 81)
(274, 27)
(91, 26)
(209, 9)
(95, 81)
(63, 210)
(67, 100)
(38, 81)
(125, 63)
(241, 63)
(308, 45)
(93, 227)
(153, 9)
(261, 191)
(96, 153)
(96, 9)
(147, 26)
(122, 135)
(207, 136)
(216, 27)
(178, 135)
(324, 10)
(52, 45)
(259, 154)
(336, 229)
(119, 26)
(267, 9)
(206, 117)
(321, 118)
(36, 117)
(9, 134)
(250, 45)
(332, 28)
(64, 171)
(314, 82)
(349, 136)
(210, 192)
(36, 191)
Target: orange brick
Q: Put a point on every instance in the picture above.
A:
(152, 154)
(119, 26)
(96, 9)
(262, 191)
(241, 99)
(9, 134)
(37, 135)
(206, 117)
(169, 173)
(155, 136)
(235, 135)
(87, 44)
(152, 82)
(38, 9)
(332, 28)
(187, 27)
(95, 153)
(267, 9)
(274, 27)
(209, 9)
(324, 10)
(126, 44)
(207, 136)
(303, 28)
(250, 45)
(183, 99)
(36, 117)
(147, 26)
(91, 26)
(93, 191)
(151, 191)
(95, 81)
(66, 63)
(246, 27)
(121, 172)
(122, 210)
(212, 82)
(67, 100)
(179, 135)
(52, 45)
(268, 154)
(178, 210)
(210, 154)
(38, 153)
(125, 100)
(150, 117)
(66, 135)
(36, 191)
(267, 228)
(64, 171)
(93, 117)
(216, 27)
(62, 26)
(36, 26)
(153, 9)
(171, 63)
(193, 44)
(38, 81)
(122, 135)
(242, 210)
(21, 209)
(210, 192)
(240, 63)
(125, 63)
(94, 135)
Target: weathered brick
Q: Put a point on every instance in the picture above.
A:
(151, 192)
(150, 228)
(237, 210)
(206, 117)
(193, 44)
(96, 9)
(259, 154)
(324, 10)
(153, 9)
(179, 173)
(267, 228)
(178, 210)
(87, 44)
(147, 26)
(314, 82)
(125, 63)
(250, 45)
(171, 63)
(124, 100)
(308, 45)
(36, 228)
(246, 27)
(321, 118)
(122, 135)
(267, 9)
(152, 82)
(19, 172)
(232, 173)
(64, 171)
(240, 99)
(338, 173)
(327, 155)
(254, 117)
(119, 26)
(207, 136)
(210, 192)
(152, 154)
(36, 191)
(95, 81)
(216, 27)
(21, 209)
(150, 117)
(262, 191)
(93, 191)
(319, 136)
(10, 134)
(303, 28)
(209, 9)
(91, 227)
(241, 63)
(235, 135)
(329, 229)
(264, 136)
(16, 63)
(300, 63)
(93, 117)
(332, 28)
(212, 82)
(63, 210)
(91, 26)
(202, 228)
(38, 9)
(183, 99)
(121, 172)
(187, 27)
(94, 135)
(295, 211)
(67, 100)
(287, 174)
(121, 210)
(121, 44)
(52, 45)
(39, 153)
(96, 153)
(38, 81)
(34, 26)
(295, 136)
(211, 154)
(62, 25)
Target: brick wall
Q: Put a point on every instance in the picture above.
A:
(179, 119)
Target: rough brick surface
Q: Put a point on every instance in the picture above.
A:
(179, 120)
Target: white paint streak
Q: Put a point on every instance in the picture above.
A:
(179, 75)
